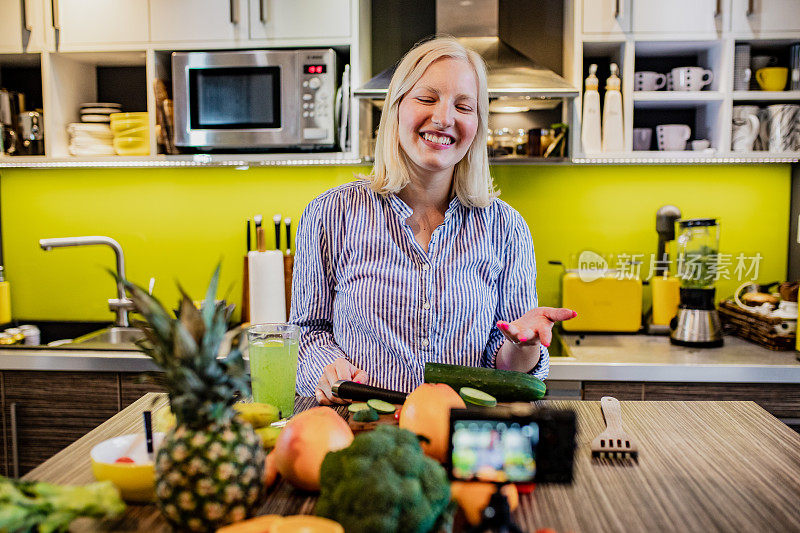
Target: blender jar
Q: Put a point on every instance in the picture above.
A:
(698, 252)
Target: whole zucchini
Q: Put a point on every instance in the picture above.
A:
(505, 385)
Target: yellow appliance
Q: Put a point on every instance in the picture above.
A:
(604, 304)
(666, 298)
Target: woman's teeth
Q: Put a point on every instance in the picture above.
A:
(436, 139)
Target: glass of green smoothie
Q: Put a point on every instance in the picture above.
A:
(273, 364)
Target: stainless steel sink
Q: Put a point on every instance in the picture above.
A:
(114, 338)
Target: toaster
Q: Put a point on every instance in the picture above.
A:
(607, 303)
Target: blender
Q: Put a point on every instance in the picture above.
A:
(697, 323)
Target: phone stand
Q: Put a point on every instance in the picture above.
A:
(497, 516)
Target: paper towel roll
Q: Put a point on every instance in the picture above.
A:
(267, 287)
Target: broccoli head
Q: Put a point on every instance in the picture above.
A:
(383, 482)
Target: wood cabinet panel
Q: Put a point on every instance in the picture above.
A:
(621, 390)
(54, 409)
(780, 399)
(134, 385)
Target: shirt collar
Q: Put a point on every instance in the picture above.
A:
(403, 210)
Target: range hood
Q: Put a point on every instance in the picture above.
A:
(511, 74)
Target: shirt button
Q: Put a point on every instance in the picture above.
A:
(425, 342)
(426, 305)
(425, 267)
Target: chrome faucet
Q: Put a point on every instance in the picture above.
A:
(121, 304)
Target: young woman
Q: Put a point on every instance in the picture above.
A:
(419, 261)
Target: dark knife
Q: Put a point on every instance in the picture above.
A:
(350, 390)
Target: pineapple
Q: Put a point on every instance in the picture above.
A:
(210, 467)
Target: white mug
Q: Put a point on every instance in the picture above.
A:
(691, 78)
(670, 84)
(700, 144)
(648, 81)
(745, 127)
(672, 137)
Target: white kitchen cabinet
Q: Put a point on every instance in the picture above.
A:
(11, 26)
(21, 26)
(678, 16)
(606, 17)
(198, 20)
(299, 19)
(101, 24)
(763, 17)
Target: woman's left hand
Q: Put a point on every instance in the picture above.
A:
(535, 326)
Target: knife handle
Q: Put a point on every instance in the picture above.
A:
(350, 390)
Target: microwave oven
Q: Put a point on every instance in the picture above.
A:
(255, 99)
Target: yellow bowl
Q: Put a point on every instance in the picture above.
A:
(136, 481)
(142, 132)
(131, 145)
(139, 115)
(124, 124)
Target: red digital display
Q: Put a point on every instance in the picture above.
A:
(314, 69)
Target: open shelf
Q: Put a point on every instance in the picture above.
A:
(766, 96)
(79, 77)
(667, 99)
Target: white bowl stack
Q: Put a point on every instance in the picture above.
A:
(92, 136)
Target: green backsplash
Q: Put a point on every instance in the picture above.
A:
(175, 224)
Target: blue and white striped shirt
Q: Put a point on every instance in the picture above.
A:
(364, 288)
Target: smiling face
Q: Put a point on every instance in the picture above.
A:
(438, 117)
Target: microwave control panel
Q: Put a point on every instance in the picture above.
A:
(317, 89)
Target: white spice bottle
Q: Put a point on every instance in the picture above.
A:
(612, 114)
(590, 122)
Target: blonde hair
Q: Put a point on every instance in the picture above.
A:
(472, 182)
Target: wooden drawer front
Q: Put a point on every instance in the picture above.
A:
(621, 390)
(134, 385)
(780, 399)
(54, 409)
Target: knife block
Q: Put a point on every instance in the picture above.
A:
(288, 269)
(246, 292)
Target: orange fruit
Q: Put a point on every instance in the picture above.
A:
(426, 412)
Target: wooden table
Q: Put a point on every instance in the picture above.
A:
(703, 466)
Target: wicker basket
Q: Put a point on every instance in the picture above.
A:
(753, 327)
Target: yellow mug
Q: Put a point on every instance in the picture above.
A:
(772, 78)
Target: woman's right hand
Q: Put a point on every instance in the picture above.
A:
(341, 368)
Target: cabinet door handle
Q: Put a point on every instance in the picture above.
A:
(234, 12)
(262, 11)
(55, 17)
(617, 8)
(718, 9)
(14, 447)
(25, 23)
(751, 8)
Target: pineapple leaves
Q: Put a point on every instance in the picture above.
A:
(209, 304)
(190, 317)
(202, 387)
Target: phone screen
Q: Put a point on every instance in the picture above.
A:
(498, 451)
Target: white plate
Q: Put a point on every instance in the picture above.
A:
(98, 110)
(95, 118)
(102, 104)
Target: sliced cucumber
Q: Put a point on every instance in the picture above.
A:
(366, 415)
(384, 408)
(356, 407)
(477, 397)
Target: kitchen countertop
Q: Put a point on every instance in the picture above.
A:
(697, 470)
(600, 357)
(592, 358)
